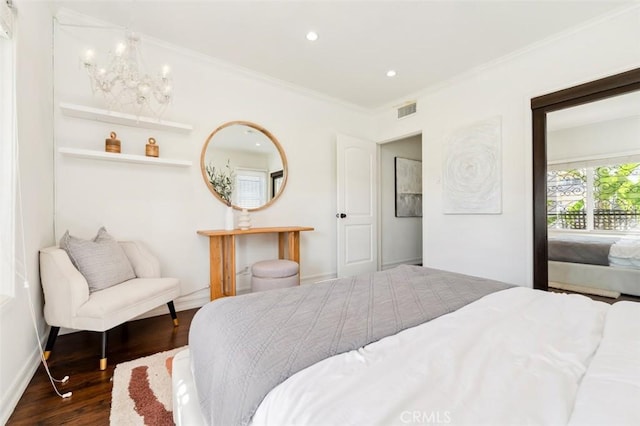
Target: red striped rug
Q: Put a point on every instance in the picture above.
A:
(141, 392)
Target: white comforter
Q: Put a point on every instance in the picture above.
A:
(513, 357)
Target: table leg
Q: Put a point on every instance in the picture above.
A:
(293, 244)
(215, 268)
(282, 244)
(229, 265)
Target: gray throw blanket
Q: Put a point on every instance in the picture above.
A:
(593, 251)
(242, 347)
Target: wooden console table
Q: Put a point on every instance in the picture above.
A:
(222, 254)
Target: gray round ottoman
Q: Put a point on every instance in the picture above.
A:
(272, 274)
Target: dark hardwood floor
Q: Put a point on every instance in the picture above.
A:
(77, 355)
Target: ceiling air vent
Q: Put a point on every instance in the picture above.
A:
(407, 109)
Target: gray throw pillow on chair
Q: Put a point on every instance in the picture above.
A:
(101, 261)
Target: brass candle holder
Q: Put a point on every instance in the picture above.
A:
(111, 144)
(152, 150)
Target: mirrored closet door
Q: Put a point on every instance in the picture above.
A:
(586, 187)
(593, 197)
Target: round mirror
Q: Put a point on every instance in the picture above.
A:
(243, 165)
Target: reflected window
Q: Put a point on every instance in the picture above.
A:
(602, 197)
(251, 188)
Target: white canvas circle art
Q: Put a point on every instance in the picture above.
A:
(472, 169)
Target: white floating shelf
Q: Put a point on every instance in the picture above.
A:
(125, 158)
(89, 113)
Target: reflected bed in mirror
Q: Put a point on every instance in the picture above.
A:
(244, 165)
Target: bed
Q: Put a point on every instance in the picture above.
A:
(441, 348)
(602, 262)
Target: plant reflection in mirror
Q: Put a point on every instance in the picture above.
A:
(221, 181)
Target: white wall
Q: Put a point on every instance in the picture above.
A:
(401, 237)
(18, 344)
(593, 140)
(500, 246)
(164, 207)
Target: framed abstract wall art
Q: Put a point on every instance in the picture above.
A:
(408, 186)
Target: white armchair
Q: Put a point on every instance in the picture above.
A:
(68, 302)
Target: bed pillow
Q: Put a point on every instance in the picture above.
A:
(101, 261)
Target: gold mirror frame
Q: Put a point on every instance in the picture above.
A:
(275, 143)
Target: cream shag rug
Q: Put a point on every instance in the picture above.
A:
(141, 392)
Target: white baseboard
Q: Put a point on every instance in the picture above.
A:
(20, 383)
(391, 265)
(312, 279)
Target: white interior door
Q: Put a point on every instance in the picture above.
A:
(357, 206)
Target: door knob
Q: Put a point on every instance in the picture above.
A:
(341, 215)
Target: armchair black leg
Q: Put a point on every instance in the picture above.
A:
(103, 358)
(53, 333)
(172, 311)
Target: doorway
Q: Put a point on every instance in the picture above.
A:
(400, 229)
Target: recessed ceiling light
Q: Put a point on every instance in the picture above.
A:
(257, 143)
(391, 73)
(312, 36)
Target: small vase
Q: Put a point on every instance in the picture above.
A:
(244, 221)
(228, 225)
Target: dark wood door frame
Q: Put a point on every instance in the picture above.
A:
(607, 87)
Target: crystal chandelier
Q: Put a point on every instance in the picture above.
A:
(124, 84)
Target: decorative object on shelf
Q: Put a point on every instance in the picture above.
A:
(111, 144)
(221, 182)
(123, 82)
(228, 220)
(152, 150)
(244, 221)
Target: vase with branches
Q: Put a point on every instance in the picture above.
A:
(221, 181)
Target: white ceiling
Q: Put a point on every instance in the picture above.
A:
(426, 42)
